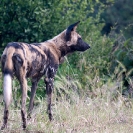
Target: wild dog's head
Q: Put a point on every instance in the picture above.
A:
(74, 40)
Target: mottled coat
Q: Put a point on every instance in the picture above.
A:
(34, 61)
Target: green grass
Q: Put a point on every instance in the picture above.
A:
(83, 115)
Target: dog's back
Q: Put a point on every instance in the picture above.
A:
(17, 55)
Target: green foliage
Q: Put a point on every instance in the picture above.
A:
(119, 15)
(122, 61)
(26, 20)
(38, 20)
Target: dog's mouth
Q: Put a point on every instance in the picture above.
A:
(83, 47)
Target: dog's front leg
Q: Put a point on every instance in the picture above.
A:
(49, 89)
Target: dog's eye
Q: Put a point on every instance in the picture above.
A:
(79, 38)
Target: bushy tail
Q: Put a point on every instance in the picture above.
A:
(7, 70)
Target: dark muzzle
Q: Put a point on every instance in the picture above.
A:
(82, 46)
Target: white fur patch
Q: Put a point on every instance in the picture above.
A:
(7, 85)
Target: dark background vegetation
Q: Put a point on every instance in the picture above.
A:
(107, 25)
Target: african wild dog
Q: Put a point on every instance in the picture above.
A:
(34, 61)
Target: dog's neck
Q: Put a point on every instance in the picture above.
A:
(61, 44)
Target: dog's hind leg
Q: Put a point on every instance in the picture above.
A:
(23, 83)
(32, 96)
(20, 72)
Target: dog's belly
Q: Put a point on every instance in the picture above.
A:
(35, 71)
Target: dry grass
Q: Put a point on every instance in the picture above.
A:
(83, 115)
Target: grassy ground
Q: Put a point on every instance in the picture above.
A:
(80, 115)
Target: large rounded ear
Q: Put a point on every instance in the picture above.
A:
(70, 29)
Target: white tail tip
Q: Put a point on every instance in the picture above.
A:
(7, 85)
